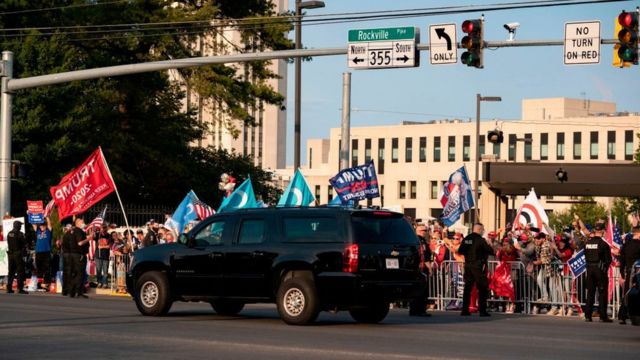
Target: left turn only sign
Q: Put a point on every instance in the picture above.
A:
(383, 48)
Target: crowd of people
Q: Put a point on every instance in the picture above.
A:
(95, 255)
(534, 259)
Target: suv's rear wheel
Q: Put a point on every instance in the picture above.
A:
(297, 301)
(227, 307)
(370, 314)
(153, 296)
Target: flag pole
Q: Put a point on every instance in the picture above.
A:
(117, 193)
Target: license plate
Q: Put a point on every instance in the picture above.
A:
(392, 264)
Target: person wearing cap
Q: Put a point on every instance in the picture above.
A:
(598, 255)
(151, 238)
(543, 265)
(418, 305)
(103, 241)
(43, 251)
(74, 244)
(17, 244)
(476, 250)
(629, 254)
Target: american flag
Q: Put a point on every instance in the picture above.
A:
(202, 210)
(49, 208)
(99, 220)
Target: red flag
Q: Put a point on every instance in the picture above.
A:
(501, 282)
(84, 186)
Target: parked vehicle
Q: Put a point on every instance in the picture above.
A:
(305, 260)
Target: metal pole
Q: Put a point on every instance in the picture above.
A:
(5, 135)
(346, 120)
(477, 170)
(297, 91)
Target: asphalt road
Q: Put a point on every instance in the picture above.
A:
(52, 326)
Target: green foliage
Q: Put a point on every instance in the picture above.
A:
(590, 213)
(138, 120)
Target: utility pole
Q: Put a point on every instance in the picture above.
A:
(6, 102)
(346, 120)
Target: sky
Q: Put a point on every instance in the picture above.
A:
(385, 96)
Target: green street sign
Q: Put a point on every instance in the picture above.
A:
(386, 34)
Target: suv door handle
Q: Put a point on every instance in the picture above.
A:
(215, 255)
(259, 253)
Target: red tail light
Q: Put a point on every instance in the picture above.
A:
(421, 252)
(350, 259)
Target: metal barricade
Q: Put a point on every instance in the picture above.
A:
(118, 265)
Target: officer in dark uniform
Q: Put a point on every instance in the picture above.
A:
(598, 255)
(17, 244)
(73, 244)
(476, 251)
(418, 305)
(629, 254)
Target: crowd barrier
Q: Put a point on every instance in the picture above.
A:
(118, 266)
(541, 288)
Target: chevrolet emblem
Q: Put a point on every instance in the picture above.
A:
(395, 253)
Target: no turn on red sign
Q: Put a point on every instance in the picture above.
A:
(582, 43)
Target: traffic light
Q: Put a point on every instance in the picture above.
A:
(625, 52)
(473, 42)
(495, 137)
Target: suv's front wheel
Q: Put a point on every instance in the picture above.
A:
(370, 314)
(297, 301)
(152, 295)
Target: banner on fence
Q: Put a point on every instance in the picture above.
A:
(578, 264)
(35, 212)
(356, 183)
(84, 186)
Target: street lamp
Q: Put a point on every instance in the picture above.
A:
(298, 63)
(479, 98)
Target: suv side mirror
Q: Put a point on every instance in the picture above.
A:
(184, 240)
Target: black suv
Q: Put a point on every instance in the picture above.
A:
(306, 260)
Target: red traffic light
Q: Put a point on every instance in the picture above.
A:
(628, 20)
(471, 26)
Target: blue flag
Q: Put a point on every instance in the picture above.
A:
(242, 198)
(356, 183)
(185, 212)
(456, 197)
(297, 193)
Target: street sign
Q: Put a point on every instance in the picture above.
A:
(443, 44)
(383, 48)
(582, 43)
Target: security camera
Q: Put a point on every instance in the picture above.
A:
(511, 28)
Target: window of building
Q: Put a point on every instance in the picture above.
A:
(512, 147)
(452, 149)
(611, 145)
(394, 150)
(380, 168)
(423, 149)
(560, 146)
(402, 189)
(408, 150)
(628, 145)
(436, 149)
(528, 144)
(434, 190)
(354, 152)
(251, 232)
(466, 147)
(544, 146)
(382, 195)
(482, 147)
(577, 146)
(367, 150)
(317, 193)
(310, 158)
(329, 193)
(496, 150)
(413, 189)
(593, 146)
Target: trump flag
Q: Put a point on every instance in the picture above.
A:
(84, 186)
(456, 197)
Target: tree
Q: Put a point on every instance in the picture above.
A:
(138, 120)
(590, 212)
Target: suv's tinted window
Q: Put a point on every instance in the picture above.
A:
(211, 234)
(382, 230)
(311, 229)
(251, 232)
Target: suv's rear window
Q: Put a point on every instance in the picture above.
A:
(311, 229)
(382, 229)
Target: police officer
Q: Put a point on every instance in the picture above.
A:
(476, 251)
(17, 245)
(418, 305)
(73, 244)
(629, 254)
(598, 255)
